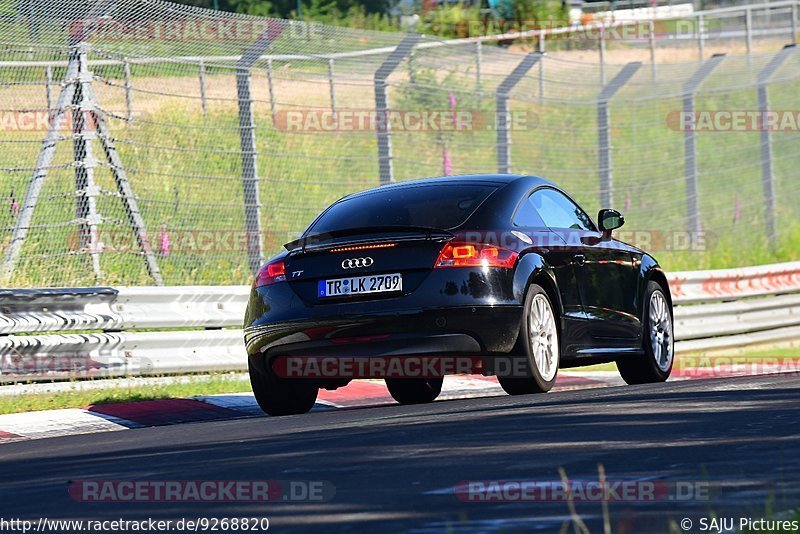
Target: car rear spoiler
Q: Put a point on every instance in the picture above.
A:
(314, 241)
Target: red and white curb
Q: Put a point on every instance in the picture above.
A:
(359, 393)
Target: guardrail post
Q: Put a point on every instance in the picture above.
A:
(202, 76)
(383, 131)
(767, 173)
(247, 137)
(690, 141)
(794, 23)
(604, 131)
(503, 116)
(541, 50)
(332, 88)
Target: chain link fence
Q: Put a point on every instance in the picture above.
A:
(143, 142)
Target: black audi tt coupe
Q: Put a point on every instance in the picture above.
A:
(487, 268)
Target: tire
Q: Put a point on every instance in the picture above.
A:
(414, 390)
(658, 341)
(538, 346)
(282, 396)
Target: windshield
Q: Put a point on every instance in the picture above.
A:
(440, 206)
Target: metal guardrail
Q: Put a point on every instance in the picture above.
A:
(48, 334)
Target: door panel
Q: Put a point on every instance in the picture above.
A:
(604, 269)
(608, 283)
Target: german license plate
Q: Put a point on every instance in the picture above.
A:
(360, 285)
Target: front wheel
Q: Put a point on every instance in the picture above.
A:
(658, 342)
(538, 345)
(414, 390)
(282, 396)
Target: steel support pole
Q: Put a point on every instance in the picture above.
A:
(690, 142)
(86, 191)
(201, 72)
(247, 138)
(604, 131)
(42, 166)
(767, 171)
(331, 85)
(503, 113)
(383, 131)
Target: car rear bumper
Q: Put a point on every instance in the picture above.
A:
(469, 330)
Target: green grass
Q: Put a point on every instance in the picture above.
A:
(78, 397)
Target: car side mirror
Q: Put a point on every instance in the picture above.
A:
(610, 220)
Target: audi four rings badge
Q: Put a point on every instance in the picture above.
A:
(353, 263)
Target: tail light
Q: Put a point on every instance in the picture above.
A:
(475, 255)
(271, 273)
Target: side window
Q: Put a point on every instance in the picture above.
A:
(526, 215)
(558, 211)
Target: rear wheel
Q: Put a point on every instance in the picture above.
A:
(537, 346)
(658, 342)
(282, 396)
(414, 390)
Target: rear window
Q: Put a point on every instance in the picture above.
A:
(440, 206)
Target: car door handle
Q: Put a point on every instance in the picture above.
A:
(579, 259)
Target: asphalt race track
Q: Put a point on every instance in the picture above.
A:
(394, 468)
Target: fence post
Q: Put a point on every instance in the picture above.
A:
(271, 89)
(699, 30)
(48, 77)
(128, 103)
(767, 172)
(202, 76)
(690, 141)
(383, 132)
(503, 117)
(604, 132)
(748, 30)
(478, 61)
(247, 137)
(330, 83)
(602, 51)
(43, 162)
(541, 46)
(652, 43)
(412, 75)
(86, 191)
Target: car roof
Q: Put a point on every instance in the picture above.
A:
(498, 179)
